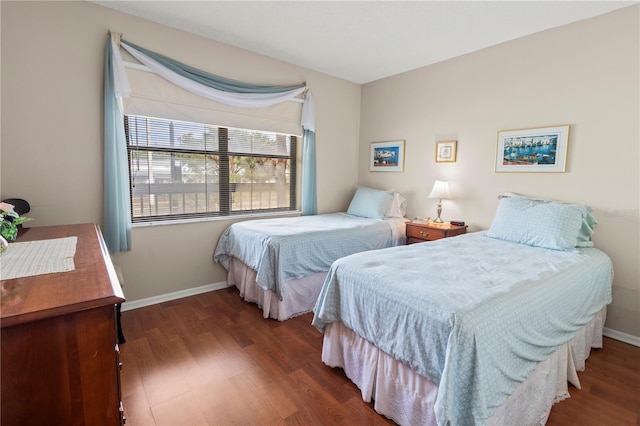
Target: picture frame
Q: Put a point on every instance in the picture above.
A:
(446, 151)
(542, 149)
(387, 156)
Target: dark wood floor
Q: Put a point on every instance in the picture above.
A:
(212, 359)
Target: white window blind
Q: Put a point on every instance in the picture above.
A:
(185, 170)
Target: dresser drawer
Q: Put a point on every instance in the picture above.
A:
(424, 234)
(421, 232)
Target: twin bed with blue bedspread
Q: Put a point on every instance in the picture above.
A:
(281, 264)
(482, 328)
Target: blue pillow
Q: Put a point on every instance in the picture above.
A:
(588, 223)
(538, 223)
(372, 203)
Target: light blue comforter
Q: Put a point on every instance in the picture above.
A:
(470, 313)
(285, 248)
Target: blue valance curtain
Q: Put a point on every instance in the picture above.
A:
(117, 228)
(199, 76)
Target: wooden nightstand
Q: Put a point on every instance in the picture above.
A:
(421, 232)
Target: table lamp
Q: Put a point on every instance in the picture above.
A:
(440, 191)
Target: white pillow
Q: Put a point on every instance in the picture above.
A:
(398, 207)
(369, 202)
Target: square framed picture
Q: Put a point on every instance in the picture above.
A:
(446, 151)
(541, 149)
(387, 156)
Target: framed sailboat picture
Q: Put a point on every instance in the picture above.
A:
(387, 156)
(541, 149)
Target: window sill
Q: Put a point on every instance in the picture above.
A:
(233, 218)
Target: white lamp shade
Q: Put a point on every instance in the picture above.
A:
(440, 190)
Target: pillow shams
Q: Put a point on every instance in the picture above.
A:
(588, 223)
(398, 207)
(586, 231)
(538, 223)
(372, 203)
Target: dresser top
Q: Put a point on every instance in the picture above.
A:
(91, 284)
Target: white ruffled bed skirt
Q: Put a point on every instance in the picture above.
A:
(299, 297)
(409, 399)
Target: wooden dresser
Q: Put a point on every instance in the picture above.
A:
(60, 359)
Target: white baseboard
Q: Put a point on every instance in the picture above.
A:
(623, 337)
(135, 304)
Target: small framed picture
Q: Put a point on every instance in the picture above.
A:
(532, 150)
(387, 156)
(446, 151)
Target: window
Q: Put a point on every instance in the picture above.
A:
(184, 170)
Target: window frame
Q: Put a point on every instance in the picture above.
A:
(224, 196)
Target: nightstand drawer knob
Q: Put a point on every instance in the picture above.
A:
(424, 234)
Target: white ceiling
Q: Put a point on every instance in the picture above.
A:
(363, 41)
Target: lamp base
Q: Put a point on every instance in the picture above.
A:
(439, 210)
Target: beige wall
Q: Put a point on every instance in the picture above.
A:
(52, 96)
(584, 74)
